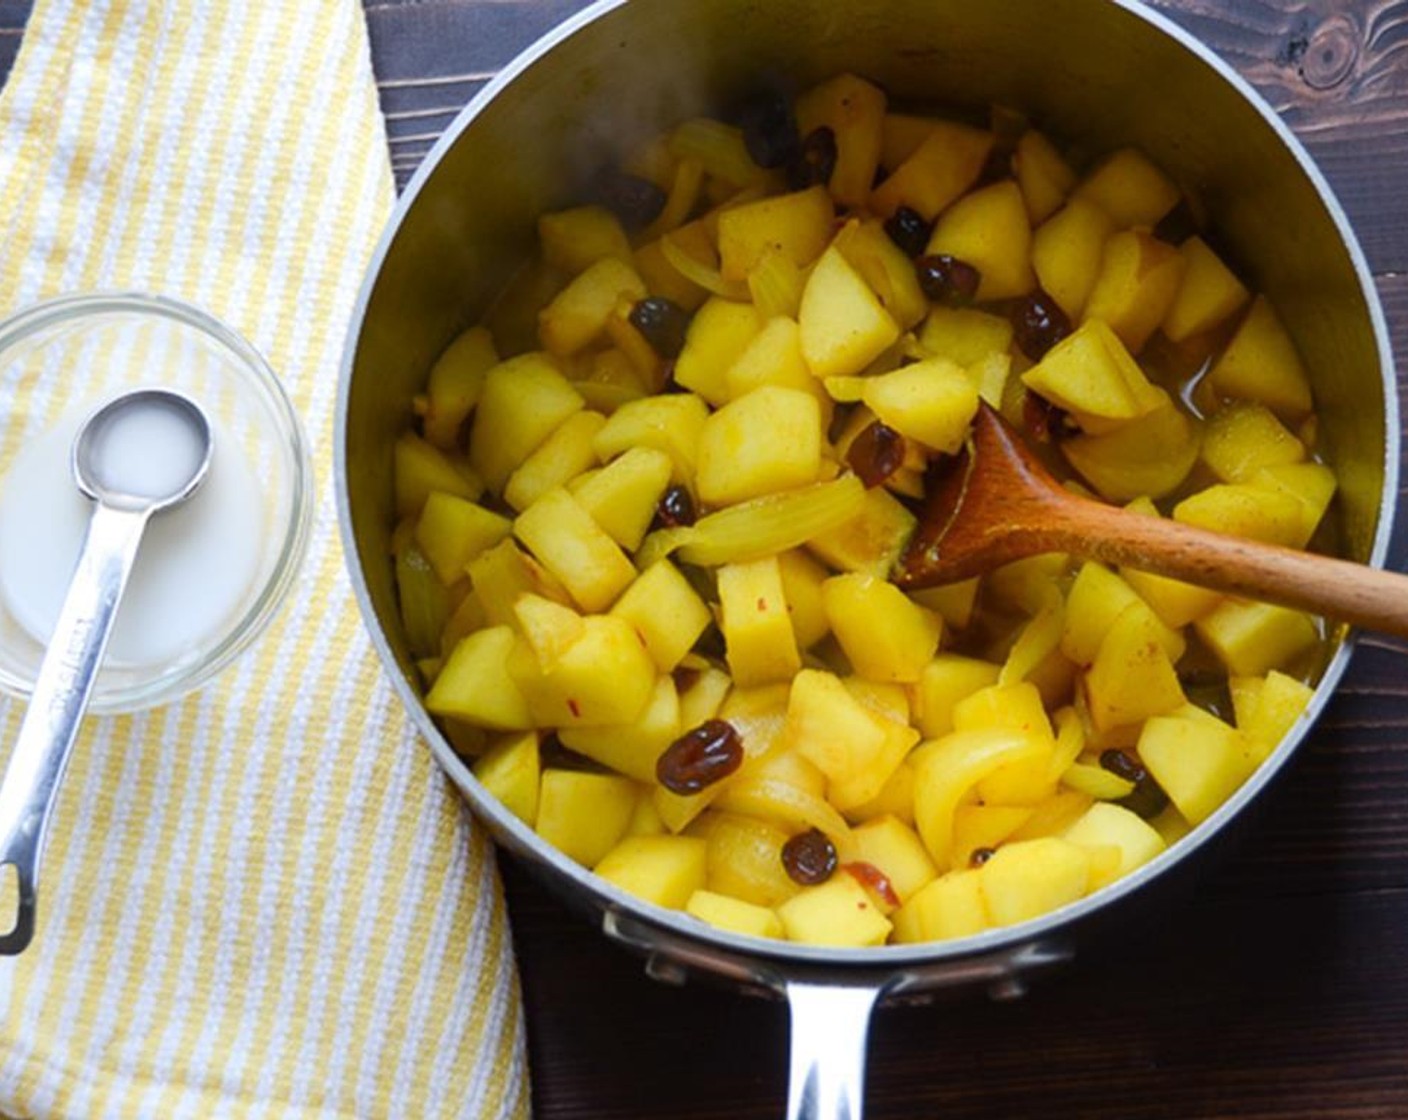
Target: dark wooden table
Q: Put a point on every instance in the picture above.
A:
(1281, 989)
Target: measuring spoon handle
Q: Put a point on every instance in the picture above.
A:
(61, 692)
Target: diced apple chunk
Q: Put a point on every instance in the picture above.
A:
(577, 315)
(1129, 188)
(796, 225)
(666, 611)
(1033, 877)
(623, 495)
(1261, 364)
(523, 401)
(758, 636)
(452, 531)
(1198, 764)
(665, 870)
(951, 906)
(474, 684)
(767, 440)
(1105, 825)
(932, 401)
(844, 327)
(885, 635)
(575, 549)
(719, 332)
(1209, 295)
(989, 229)
(734, 915)
(633, 748)
(840, 913)
(584, 815)
(1254, 638)
(510, 772)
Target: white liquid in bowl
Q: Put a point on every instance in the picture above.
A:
(197, 563)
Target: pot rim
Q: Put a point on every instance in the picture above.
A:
(771, 961)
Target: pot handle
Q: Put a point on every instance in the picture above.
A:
(826, 1074)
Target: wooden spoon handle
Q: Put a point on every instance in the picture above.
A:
(1338, 589)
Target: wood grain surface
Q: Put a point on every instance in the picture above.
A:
(1280, 990)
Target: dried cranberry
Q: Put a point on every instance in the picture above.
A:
(980, 856)
(770, 131)
(675, 508)
(663, 323)
(1038, 324)
(699, 758)
(815, 162)
(1123, 765)
(874, 880)
(809, 858)
(876, 454)
(1044, 421)
(908, 229)
(948, 280)
(635, 201)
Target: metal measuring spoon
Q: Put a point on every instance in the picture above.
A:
(117, 461)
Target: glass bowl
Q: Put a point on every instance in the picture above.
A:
(245, 532)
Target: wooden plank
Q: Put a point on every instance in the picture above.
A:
(1286, 1008)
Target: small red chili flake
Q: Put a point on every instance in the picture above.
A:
(574, 708)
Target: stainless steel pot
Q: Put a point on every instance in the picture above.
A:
(1104, 73)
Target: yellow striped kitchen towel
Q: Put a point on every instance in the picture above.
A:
(264, 900)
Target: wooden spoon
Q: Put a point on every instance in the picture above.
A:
(996, 503)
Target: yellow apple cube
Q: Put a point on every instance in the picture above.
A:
(767, 440)
(774, 357)
(632, 748)
(1209, 295)
(1090, 374)
(451, 532)
(757, 629)
(948, 679)
(872, 540)
(1253, 638)
(511, 773)
(559, 459)
(1149, 456)
(524, 400)
(670, 423)
(989, 230)
(584, 815)
(1129, 188)
(666, 611)
(1030, 878)
(575, 549)
(885, 268)
(844, 327)
(1105, 825)
(840, 913)
(734, 915)
(604, 677)
(623, 496)
(1266, 714)
(949, 907)
(665, 870)
(500, 575)
(885, 635)
(1067, 252)
(744, 860)
(1138, 282)
(796, 225)
(1240, 510)
(577, 315)
(1198, 764)
(854, 110)
(1044, 176)
(965, 336)
(945, 164)
(574, 240)
(1242, 438)
(474, 685)
(455, 382)
(421, 469)
(1132, 677)
(802, 580)
(1261, 364)
(719, 332)
(932, 401)
(893, 848)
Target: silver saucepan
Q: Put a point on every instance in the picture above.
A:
(1104, 73)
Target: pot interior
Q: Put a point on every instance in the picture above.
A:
(1091, 72)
